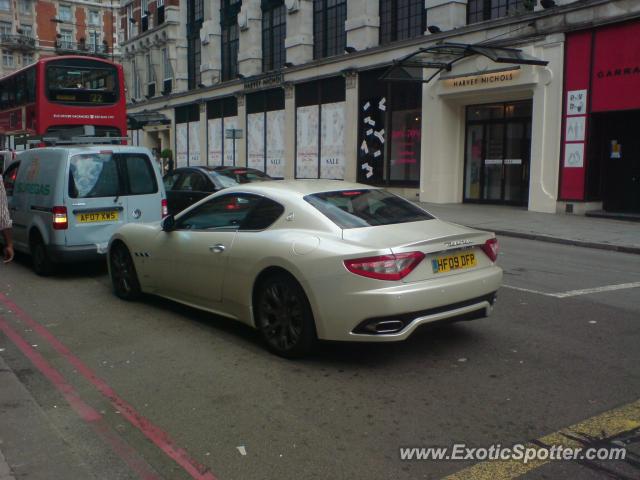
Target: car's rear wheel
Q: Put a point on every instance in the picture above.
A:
(123, 273)
(284, 317)
(40, 260)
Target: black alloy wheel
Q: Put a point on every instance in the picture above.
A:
(40, 261)
(123, 273)
(284, 317)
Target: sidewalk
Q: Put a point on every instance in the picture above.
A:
(577, 230)
(30, 445)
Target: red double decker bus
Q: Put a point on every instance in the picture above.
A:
(58, 96)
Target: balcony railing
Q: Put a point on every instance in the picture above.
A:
(63, 46)
(18, 42)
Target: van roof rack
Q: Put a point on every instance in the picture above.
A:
(52, 141)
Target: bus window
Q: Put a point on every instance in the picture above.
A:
(88, 85)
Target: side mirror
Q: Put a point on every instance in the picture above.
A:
(168, 223)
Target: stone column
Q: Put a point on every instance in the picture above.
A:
(250, 41)
(362, 24)
(352, 111)
(446, 14)
(211, 38)
(241, 145)
(289, 130)
(299, 41)
(174, 14)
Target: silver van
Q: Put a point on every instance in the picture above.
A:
(66, 202)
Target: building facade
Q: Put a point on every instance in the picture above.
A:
(492, 101)
(30, 29)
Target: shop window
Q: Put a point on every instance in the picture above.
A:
(223, 131)
(480, 10)
(229, 24)
(187, 135)
(390, 130)
(401, 19)
(320, 126)
(329, 35)
(274, 31)
(265, 131)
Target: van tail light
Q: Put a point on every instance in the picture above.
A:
(490, 247)
(60, 218)
(385, 267)
(164, 207)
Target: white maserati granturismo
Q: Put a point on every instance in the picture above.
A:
(311, 259)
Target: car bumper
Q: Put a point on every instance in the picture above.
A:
(393, 313)
(79, 253)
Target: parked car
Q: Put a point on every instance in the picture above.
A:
(66, 202)
(187, 185)
(6, 157)
(302, 260)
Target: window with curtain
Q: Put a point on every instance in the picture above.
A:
(229, 23)
(195, 17)
(401, 19)
(329, 35)
(274, 31)
(480, 10)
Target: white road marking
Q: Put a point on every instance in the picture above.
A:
(606, 288)
(575, 293)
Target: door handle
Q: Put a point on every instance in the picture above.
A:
(218, 248)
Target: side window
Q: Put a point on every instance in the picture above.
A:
(9, 178)
(193, 182)
(170, 180)
(228, 211)
(263, 216)
(140, 175)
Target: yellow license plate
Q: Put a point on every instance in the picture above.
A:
(453, 262)
(94, 217)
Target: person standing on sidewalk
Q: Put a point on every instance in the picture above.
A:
(5, 224)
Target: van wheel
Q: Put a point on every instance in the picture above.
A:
(40, 260)
(123, 273)
(284, 317)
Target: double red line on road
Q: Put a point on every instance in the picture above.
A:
(160, 438)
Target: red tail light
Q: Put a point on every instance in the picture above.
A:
(60, 219)
(164, 207)
(385, 267)
(490, 247)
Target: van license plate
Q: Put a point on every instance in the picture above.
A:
(94, 217)
(453, 262)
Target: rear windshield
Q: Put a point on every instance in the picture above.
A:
(366, 208)
(232, 177)
(94, 175)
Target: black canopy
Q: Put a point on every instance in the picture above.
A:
(444, 55)
(141, 119)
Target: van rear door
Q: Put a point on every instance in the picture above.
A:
(143, 184)
(107, 189)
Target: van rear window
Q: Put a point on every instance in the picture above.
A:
(95, 175)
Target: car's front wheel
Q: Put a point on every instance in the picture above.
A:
(284, 317)
(123, 273)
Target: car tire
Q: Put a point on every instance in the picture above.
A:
(40, 260)
(284, 317)
(124, 278)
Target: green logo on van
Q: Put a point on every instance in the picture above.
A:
(33, 188)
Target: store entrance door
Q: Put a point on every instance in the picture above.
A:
(498, 149)
(618, 139)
